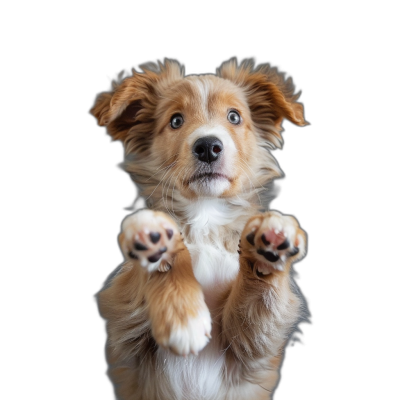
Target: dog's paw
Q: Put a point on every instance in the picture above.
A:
(189, 337)
(271, 239)
(151, 237)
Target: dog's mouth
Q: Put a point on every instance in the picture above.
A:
(206, 177)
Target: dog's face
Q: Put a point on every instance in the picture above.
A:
(203, 124)
(199, 136)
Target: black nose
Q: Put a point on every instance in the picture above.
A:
(207, 149)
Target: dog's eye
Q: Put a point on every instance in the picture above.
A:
(234, 117)
(176, 121)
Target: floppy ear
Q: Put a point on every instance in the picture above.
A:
(101, 107)
(270, 96)
(132, 100)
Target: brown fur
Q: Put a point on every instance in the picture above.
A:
(254, 314)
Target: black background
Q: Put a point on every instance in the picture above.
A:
(95, 192)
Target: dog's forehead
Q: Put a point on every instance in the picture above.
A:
(205, 93)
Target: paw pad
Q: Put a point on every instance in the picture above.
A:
(284, 245)
(153, 241)
(155, 237)
(250, 238)
(272, 238)
(156, 256)
(151, 238)
(269, 255)
(140, 247)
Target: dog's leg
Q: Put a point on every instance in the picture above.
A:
(261, 309)
(156, 290)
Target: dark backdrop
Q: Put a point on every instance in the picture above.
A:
(96, 191)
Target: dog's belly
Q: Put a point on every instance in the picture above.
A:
(193, 377)
(201, 377)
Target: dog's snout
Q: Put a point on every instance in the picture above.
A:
(208, 149)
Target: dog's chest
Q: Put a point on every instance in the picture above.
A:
(215, 268)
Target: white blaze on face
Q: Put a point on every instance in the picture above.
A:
(224, 165)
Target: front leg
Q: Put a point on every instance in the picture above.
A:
(180, 320)
(261, 310)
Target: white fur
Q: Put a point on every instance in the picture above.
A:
(203, 89)
(219, 132)
(192, 337)
(193, 377)
(214, 268)
(205, 215)
(213, 187)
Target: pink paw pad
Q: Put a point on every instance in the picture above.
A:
(276, 239)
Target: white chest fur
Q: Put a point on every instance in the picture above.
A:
(208, 220)
(214, 268)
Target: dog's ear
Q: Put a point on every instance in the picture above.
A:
(101, 107)
(132, 100)
(270, 96)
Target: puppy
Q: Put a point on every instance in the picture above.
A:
(189, 315)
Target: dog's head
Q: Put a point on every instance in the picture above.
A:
(199, 135)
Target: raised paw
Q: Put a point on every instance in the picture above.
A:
(152, 238)
(188, 337)
(270, 240)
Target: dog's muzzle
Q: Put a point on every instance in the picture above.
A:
(207, 149)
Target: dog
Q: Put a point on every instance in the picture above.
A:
(204, 302)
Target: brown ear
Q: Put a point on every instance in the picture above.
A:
(118, 119)
(270, 96)
(132, 100)
(118, 126)
(101, 107)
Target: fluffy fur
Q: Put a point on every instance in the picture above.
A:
(187, 282)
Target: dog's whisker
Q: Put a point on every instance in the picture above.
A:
(161, 180)
(173, 189)
(166, 194)
(158, 169)
(187, 171)
(252, 184)
(251, 169)
(243, 167)
(169, 184)
(162, 169)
